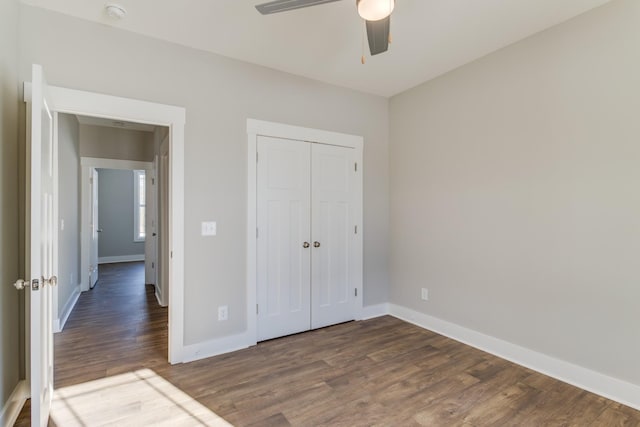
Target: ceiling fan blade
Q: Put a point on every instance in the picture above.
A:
(285, 5)
(378, 35)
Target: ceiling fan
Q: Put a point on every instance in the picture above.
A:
(376, 13)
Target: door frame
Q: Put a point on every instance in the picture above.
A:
(71, 101)
(256, 128)
(86, 164)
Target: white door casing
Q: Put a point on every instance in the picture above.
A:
(87, 249)
(92, 104)
(284, 249)
(257, 129)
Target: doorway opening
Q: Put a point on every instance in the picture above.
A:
(167, 124)
(113, 198)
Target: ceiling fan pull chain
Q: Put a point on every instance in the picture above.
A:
(390, 38)
(364, 30)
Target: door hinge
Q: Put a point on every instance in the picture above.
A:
(153, 181)
(356, 167)
(171, 254)
(256, 157)
(356, 293)
(356, 230)
(256, 308)
(153, 265)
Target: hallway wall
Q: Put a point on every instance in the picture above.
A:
(115, 215)
(68, 211)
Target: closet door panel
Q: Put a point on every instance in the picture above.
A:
(332, 293)
(283, 263)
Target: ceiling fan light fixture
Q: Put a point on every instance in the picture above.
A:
(375, 10)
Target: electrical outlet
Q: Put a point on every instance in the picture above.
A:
(425, 294)
(223, 312)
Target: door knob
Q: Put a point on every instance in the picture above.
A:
(316, 244)
(52, 281)
(20, 284)
(305, 245)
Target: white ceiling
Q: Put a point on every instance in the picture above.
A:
(430, 37)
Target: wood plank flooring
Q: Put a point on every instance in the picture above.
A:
(381, 372)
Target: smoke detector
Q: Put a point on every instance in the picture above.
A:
(115, 11)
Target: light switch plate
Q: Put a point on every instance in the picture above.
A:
(209, 228)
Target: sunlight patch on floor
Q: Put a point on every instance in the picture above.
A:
(137, 398)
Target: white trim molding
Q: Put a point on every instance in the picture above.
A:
(86, 165)
(257, 128)
(218, 346)
(58, 324)
(120, 258)
(14, 404)
(586, 379)
(372, 311)
(100, 163)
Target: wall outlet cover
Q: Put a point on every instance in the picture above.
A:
(223, 312)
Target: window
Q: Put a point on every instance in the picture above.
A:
(139, 205)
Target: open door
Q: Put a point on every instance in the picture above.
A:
(95, 230)
(150, 241)
(41, 242)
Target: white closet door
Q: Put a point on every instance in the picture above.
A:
(283, 263)
(333, 234)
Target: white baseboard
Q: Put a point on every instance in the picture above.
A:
(120, 258)
(58, 324)
(159, 296)
(216, 347)
(595, 382)
(371, 311)
(14, 404)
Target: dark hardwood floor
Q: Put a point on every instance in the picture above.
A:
(382, 372)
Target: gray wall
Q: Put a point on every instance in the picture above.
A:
(69, 208)
(115, 214)
(515, 193)
(9, 241)
(219, 95)
(114, 143)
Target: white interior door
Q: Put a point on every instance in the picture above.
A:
(95, 230)
(41, 241)
(150, 224)
(333, 292)
(164, 203)
(283, 237)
